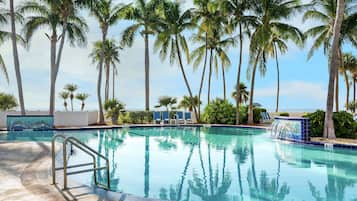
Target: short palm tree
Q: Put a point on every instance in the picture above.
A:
(64, 95)
(270, 15)
(107, 14)
(171, 38)
(186, 103)
(167, 102)
(71, 88)
(145, 16)
(47, 14)
(82, 97)
(7, 102)
(243, 95)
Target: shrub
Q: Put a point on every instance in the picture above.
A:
(7, 102)
(219, 112)
(284, 114)
(257, 117)
(113, 107)
(345, 127)
(137, 117)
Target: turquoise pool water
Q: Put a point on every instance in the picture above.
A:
(216, 164)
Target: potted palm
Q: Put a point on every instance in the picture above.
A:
(113, 107)
(82, 97)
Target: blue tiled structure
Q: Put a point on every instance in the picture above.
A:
(29, 122)
(287, 128)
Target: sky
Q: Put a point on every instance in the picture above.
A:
(303, 82)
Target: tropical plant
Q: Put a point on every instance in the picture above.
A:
(58, 15)
(3, 36)
(14, 38)
(241, 21)
(349, 69)
(171, 38)
(113, 107)
(219, 112)
(7, 102)
(167, 102)
(82, 97)
(71, 88)
(64, 95)
(107, 14)
(243, 93)
(186, 103)
(270, 15)
(145, 15)
(351, 106)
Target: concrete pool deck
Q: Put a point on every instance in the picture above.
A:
(25, 175)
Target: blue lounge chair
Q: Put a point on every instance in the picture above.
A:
(179, 117)
(156, 117)
(166, 117)
(265, 117)
(188, 117)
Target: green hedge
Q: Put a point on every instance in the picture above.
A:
(223, 112)
(284, 114)
(345, 127)
(140, 117)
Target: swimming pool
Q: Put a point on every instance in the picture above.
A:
(215, 164)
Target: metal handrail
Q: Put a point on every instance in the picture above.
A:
(86, 149)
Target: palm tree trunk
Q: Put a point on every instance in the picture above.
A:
(278, 79)
(252, 163)
(250, 109)
(329, 130)
(224, 83)
(209, 77)
(184, 173)
(240, 180)
(107, 77)
(202, 79)
(347, 88)
(147, 73)
(336, 92)
(101, 119)
(113, 82)
(52, 71)
(16, 58)
(184, 76)
(238, 73)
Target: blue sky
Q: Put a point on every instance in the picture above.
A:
(303, 83)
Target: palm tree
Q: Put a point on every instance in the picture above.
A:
(7, 102)
(270, 15)
(145, 16)
(171, 38)
(82, 97)
(48, 14)
(186, 103)
(16, 57)
(167, 102)
(71, 88)
(243, 95)
(349, 63)
(325, 12)
(64, 95)
(3, 36)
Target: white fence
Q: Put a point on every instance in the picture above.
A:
(60, 118)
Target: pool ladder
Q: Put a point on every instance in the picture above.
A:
(86, 149)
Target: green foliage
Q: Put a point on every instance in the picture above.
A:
(345, 127)
(113, 107)
(257, 117)
(139, 117)
(167, 102)
(284, 114)
(7, 102)
(219, 112)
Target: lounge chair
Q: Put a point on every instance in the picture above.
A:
(179, 117)
(156, 117)
(166, 117)
(188, 117)
(266, 117)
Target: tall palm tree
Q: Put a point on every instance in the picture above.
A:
(71, 88)
(243, 96)
(324, 11)
(16, 57)
(241, 21)
(349, 63)
(270, 15)
(111, 59)
(46, 14)
(82, 97)
(186, 103)
(64, 95)
(145, 16)
(329, 128)
(171, 38)
(3, 36)
(107, 15)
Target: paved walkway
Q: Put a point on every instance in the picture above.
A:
(25, 175)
